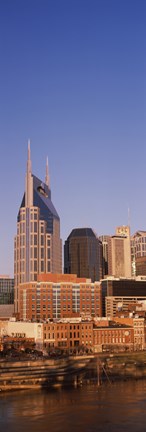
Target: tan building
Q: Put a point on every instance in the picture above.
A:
(138, 253)
(37, 243)
(124, 305)
(119, 253)
(67, 296)
(140, 263)
(23, 330)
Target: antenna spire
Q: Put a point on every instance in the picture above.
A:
(47, 178)
(28, 181)
(129, 216)
(28, 158)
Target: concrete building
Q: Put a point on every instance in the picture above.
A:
(6, 311)
(124, 306)
(119, 253)
(117, 293)
(37, 243)
(140, 264)
(138, 253)
(59, 296)
(83, 254)
(21, 329)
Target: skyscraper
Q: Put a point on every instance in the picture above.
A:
(83, 254)
(119, 253)
(37, 245)
(138, 253)
(104, 239)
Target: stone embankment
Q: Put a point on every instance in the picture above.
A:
(40, 373)
(119, 366)
(73, 370)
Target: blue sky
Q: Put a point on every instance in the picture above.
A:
(73, 80)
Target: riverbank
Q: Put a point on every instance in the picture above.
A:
(48, 373)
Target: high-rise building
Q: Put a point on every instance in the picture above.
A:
(83, 254)
(104, 240)
(38, 247)
(138, 253)
(119, 253)
(6, 297)
(6, 290)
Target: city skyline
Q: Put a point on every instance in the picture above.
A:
(73, 80)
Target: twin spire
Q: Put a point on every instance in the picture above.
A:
(29, 159)
(47, 177)
(29, 167)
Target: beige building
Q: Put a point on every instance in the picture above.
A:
(138, 253)
(22, 329)
(38, 247)
(124, 305)
(119, 253)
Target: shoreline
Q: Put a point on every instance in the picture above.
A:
(74, 371)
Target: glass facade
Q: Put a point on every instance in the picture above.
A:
(37, 245)
(6, 290)
(82, 254)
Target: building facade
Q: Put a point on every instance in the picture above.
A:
(138, 253)
(37, 245)
(113, 337)
(69, 335)
(120, 288)
(104, 239)
(124, 306)
(6, 290)
(119, 253)
(83, 254)
(63, 298)
(76, 335)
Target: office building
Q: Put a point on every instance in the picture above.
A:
(119, 253)
(6, 297)
(38, 246)
(120, 288)
(138, 253)
(59, 296)
(125, 306)
(6, 290)
(83, 254)
(104, 239)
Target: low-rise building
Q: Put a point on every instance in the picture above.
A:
(121, 287)
(125, 306)
(69, 335)
(113, 337)
(22, 329)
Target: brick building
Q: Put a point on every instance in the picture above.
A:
(59, 296)
(73, 334)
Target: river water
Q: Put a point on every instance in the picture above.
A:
(118, 407)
